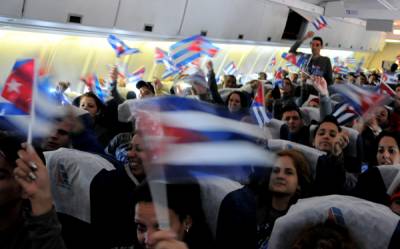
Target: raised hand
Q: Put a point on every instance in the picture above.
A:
(320, 85)
(33, 177)
(309, 34)
(341, 142)
(114, 73)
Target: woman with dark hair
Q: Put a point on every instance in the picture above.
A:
(101, 125)
(387, 148)
(237, 101)
(370, 185)
(187, 226)
(247, 216)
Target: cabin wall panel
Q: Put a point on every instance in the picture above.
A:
(11, 8)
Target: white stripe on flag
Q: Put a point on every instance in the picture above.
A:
(264, 115)
(218, 153)
(257, 115)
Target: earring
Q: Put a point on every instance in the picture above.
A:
(187, 228)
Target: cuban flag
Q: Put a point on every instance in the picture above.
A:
(93, 84)
(319, 23)
(299, 60)
(384, 88)
(21, 95)
(359, 98)
(196, 136)
(18, 87)
(389, 78)
(258, 107)
(120, 47)
(161, 57)
(190, 49)
(341, 70)
(344, 113)
(137, 75)
(278, 78)
(230, 68)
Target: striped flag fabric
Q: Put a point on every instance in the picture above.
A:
(195, 135)
(389, 78)
(319, 23)
(190, 49)
(359, 98)
(384, 88)
(93, 84)
(120, 47)
(162, 57)
(258, 107)
(341, 70)
(18, 99)
(136, 75)
(230, 69)
(299, 60)
(344, 113)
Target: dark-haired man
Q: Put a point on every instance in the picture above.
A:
(318, 63)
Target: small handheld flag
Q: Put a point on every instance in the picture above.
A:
(137, 75)
(18, 88)
(320, 23)
(190, 49)
(230, 68)
(299, 60)
(258, 107)
(120, 47)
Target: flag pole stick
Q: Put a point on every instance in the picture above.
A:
(32, 112)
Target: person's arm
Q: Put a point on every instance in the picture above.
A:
(325, 106)
(213, 84)
(114, 91)
(297, 44)
(33, 177)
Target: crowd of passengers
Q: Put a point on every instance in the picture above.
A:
(85, 184)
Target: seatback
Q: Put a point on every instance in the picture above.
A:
(71, 172)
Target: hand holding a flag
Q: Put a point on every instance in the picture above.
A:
(33, 177)
(320, 85)
(341, 142)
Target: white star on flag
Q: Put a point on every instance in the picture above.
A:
(14, 86)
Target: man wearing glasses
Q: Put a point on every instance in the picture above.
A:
(318, 65)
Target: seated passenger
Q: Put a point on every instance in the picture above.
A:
(294, 130)
(370, 185)
(187, 227)
(111, 194)
(247, 215)
(332, 175)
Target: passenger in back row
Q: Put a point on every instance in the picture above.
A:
(294, 130)
(246, 216)
(332, 171)
(317, 62)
